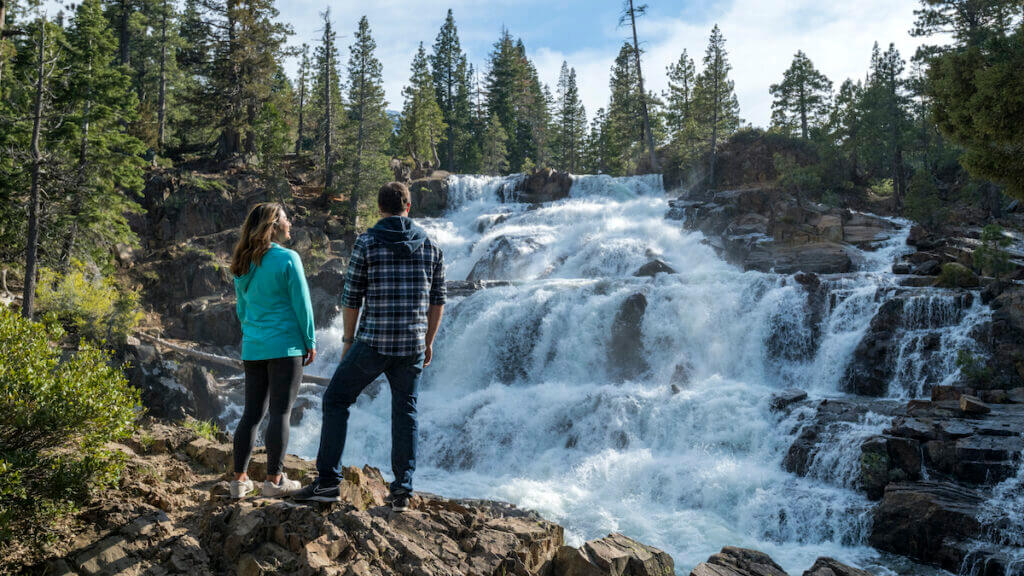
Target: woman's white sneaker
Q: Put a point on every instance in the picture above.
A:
(241, 489)
(285, 486)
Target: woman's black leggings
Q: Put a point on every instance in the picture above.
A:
(273, 383)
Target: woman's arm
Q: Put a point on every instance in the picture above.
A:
(298, 292)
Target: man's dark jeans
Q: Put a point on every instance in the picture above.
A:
(361, 366)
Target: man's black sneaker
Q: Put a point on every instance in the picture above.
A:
(314, 492)
(400, 503)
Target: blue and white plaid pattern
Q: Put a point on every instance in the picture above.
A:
(397, 292)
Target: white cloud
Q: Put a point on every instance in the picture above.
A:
(761, 38)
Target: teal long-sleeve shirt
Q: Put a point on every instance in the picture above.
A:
(274, 308)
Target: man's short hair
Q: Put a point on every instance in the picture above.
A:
(393, 197)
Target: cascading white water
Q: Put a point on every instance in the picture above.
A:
(527, 401)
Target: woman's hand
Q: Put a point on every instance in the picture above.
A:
(308, 358)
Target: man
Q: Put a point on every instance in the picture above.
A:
(399, 272)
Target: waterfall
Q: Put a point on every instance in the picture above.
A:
(610, 402)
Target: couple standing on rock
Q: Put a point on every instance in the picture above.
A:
(399, 273)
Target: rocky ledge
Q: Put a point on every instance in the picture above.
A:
(932, 470)
(768, 230)
(172, 515)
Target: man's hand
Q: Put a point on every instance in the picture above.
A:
(308, 357)
(427, 355)
(344, 348)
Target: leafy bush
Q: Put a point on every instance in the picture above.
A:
(56, 417)
(91, 304)
(991, 257)
(955, 275)
(204, 428)
(795, 177)
(882, 188)
(975, 372)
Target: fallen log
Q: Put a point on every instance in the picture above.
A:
(217, 359)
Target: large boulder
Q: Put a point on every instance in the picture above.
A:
(830, 567)
(613, 555)
(927, 521)
(502, 258)
(626, 348)
(325, 289)
(733, 561)
(211, 320)
(1007, 338)
(429, 195)
(818, 257)
(543, 185)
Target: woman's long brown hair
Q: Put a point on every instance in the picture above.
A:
(257, 233)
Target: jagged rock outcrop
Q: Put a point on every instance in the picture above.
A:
(615, 554)
(542, 185)
(172, 515)
(626, 348)
(768, 230)
(733, 561)
(429, 195)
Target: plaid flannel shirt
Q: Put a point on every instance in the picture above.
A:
(397, 292)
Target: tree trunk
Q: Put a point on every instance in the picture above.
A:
(32, 245)
(3, 19)
(80, 183)
(803, 114)
(353, 199)
(162, 98)
(302, 98)
(714, 127)
(328, 126)
(643, 94)
(125, 37)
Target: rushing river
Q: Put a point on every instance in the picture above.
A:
(529, 401)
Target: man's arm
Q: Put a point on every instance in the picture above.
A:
(349, 318)
(434, 314)
(352, 297)
(438, 296)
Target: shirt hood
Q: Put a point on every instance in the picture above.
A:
(399, 234)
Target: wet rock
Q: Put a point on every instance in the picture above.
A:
(874, 467)
(468, 287)
(924, 520)
(325, 290)
(299, 410)
(830, 567)
(1007, 339)
(211, 320)
(613, 555)
(732, 561)
(543, 185)
(504, 253)
(901, 268)
(653, 268)
(973, 405)
(429, 195)
(820, 258)
(782, 400)
(928, 268)
(626, 350)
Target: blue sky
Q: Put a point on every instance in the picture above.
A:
(761, 37)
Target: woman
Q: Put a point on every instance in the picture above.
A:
(277, 340)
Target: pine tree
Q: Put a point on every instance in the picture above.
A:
(450, 71)
(100, 102)
(623, 131)
(369, 128)
(422, 127)
(494, 159)
(325, 102)
(516, 97)
(968, 82)
(715, 99)
(571, 122)
(680, 114)
(631, 12)
(802, 98)
(883, 109)
(303, 81)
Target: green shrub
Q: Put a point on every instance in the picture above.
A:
(956, 275)
(795, 177)
(56, 418)
(991, 257)
(975, 372)
(882, 188)
(93, 305)
(204, 428)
